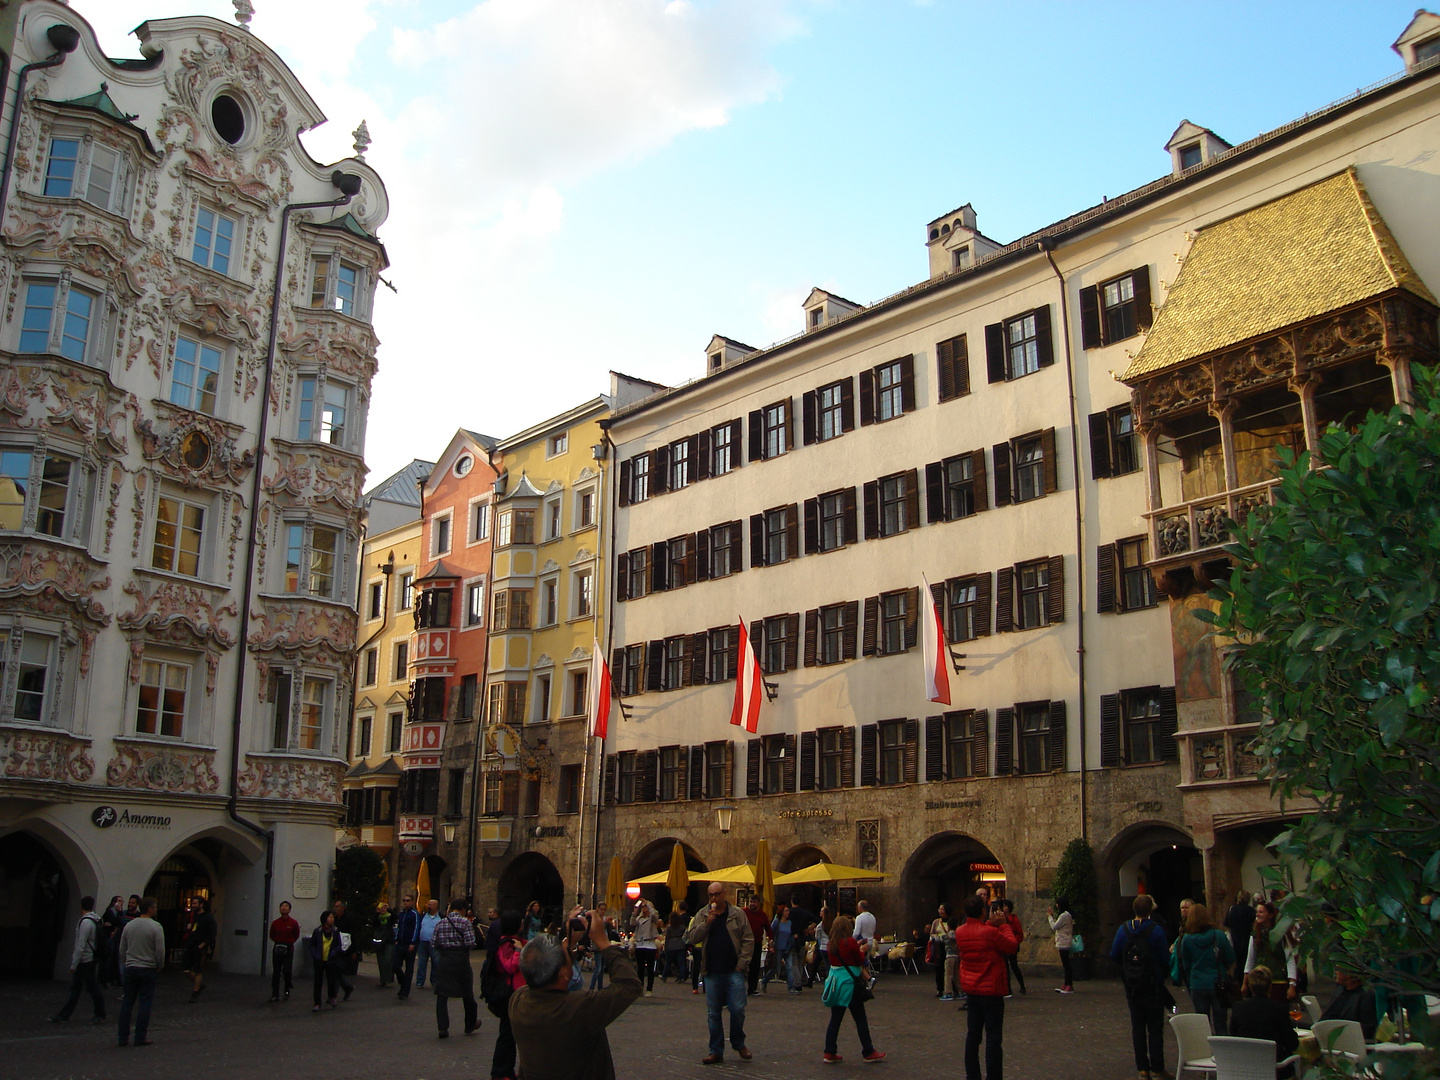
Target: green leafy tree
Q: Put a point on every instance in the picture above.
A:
(360, 880)
(1075, 880)
(1333, 612)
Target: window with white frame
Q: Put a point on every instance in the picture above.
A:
(314, 711)
(557, 444)
(195, 375)
(32, 658)
(377, 599)
(372, 670)
(542, 698)
(475, 603)
(214, 240)
(552, 518)
(60, 317)
(579, 681)
(80, 168)
(440, 534)
(313, 559)
(324, 408)
(479, 520)
(405, 595)
(161, 704)
(335, 285)
(43, 492)
(549, 602)
(584, 594)
(179, 544)
(585, 508)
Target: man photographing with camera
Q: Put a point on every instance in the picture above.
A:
(559, 1031)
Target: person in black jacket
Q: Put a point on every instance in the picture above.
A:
(1352, 1002)
(199, 946)
(1258, 1016)
(1240, 921)
(327, 956)
(407, 937)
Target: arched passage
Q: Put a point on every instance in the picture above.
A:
(211, 863)
(945, 869)
(655, 857)
(528, 877)
(810, 897)
(1155, 858)
(36, 909)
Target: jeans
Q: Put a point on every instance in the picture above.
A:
(1147, 1032)
(139, 983)
(424, 953)
(502, 1061)
(725, 990)
(597, 979)
(645, 961)
(795, 971)
(1065, 963)
(283, 962)
(404, 969)
(673, 966)
(862, 1027)
(1205, 1003)
(987, 1020)
(940, 984)
(84, 979)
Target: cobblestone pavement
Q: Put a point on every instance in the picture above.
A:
(234, 1032)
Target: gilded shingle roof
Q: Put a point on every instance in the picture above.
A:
(1319, 249)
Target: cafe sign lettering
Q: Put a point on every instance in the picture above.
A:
(105, 817)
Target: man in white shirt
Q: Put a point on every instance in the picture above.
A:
(83, 962)
(865, 935)
(142, 955)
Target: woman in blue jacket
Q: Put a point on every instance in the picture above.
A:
(1205, 952)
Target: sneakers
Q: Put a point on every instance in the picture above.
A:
(1064, 990)
(444, 1034)
(274, 997)
(874, 1056)
(649, 993)
(947, 997)
(832, 1059)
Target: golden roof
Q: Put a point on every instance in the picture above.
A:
(1321, 248)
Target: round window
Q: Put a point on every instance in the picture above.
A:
(228, 118)
(464, 465)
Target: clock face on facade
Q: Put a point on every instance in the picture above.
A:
(464, 465)
(195, 449)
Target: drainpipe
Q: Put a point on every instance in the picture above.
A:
(1045, 245)
(605, 646)
(65, 39)
(386, 568)
(482, 696)
(349, 186)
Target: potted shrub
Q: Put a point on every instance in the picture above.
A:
(1075, 880)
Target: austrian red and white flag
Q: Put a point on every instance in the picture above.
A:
(599, 692)
(932, 637)
(749, 685)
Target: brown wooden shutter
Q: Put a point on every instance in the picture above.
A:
(812, 526)
(981, 484)
(699, 658)
(752, 767)
(847, 757)
(912, 499)
(697, 774)
(912, 751)
(757, 435)
(609, 793)
(812, 636)
(1004, 740)
(736, 541)
(1090, 333)
(659, 567)
(935, 492)
(995, 352)
(1055, 602)
(848, 627)
(1144, 314)
(757, 541)
(872, 510)
(847, 404)
(682, 781)
(792, 640)
(808, 433)
(617, 671)
(660, 470)
(869, 754)
(700, 455)
(983, 607)
(1169, 723)
(907, 383)
(872, 625)
(980, 734)
(732, 653)
(692, 563)
(792, 531)
(912, 616)
(1105, 578)
(1004, 600)
(937, 594)
(852, 524)
(1044, 347)
(729, 778)
(701, 557)
(736, 434)
(1052, 461)
(1100, 466)
(934, 748)
(622, 576)
(1110, 744)
(654, 665)
(960, 366)
(687, 655)
(867, 397)
(1004, 492)
(647, 769)
(789, 768)
(1055, 738)
(626, 471)
(945, 369)
(807, 761)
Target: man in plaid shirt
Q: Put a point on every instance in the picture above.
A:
(453, 942)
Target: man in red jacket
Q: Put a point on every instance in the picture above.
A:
(284, 933)
(983, 947)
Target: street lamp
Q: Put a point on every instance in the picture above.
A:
(725, 816)
(447, 829)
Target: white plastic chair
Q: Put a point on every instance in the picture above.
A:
(1247, 1059)
(1340, 1037)
(1191, 1032)
(1312, 1009)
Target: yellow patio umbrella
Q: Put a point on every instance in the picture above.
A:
(422, 886)
(764, 877)
(651, 879)
(678, 879)
(615, 886)
(740, 874)
(824, 871)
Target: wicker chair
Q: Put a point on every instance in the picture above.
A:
(1248, 1059)
(1191, 1032)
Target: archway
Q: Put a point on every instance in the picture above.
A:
(655, 857)
(945, 869)
(35, 906)
(1154, 858)
(528, 877)
(812, 897)
(177, 884)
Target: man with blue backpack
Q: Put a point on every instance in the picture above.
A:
(1143, 952)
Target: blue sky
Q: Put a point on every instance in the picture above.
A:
(579, 185)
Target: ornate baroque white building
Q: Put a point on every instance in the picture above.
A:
(185, 364)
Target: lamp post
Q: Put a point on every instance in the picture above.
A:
(725, 817)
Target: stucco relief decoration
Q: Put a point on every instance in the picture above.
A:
(45, 755)
(144, 769)
(43, 394)
(346, 349)
(1209, 757)
(52, 579)
(194, 449)
(867, 843)
(173, 605)
(301, 628)
(291, 781)
(142, 482)
(83, 244)
(216, 306)
(314, 474)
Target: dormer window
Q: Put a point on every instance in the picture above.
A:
(960, 258)
(815, 316)
(1427, 50)
(1190, 156)
(80, 169)
(335, 285)
(716, 359)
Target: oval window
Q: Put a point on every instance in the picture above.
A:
(229, 119)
